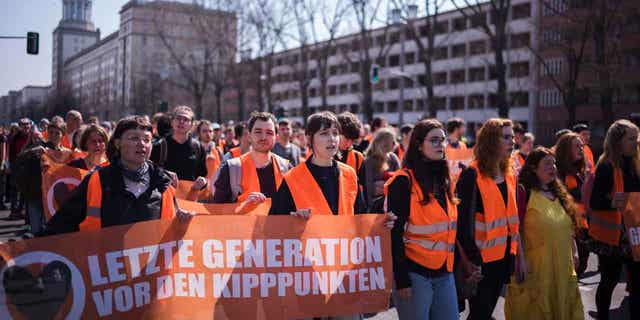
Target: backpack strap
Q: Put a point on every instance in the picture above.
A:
(283, 164)
(235, 177)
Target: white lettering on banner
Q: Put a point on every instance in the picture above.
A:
(634, 236)
(123, 298)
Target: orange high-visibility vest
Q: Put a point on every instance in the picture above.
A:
(461, 146)
(581, 218)
(430, 232)
(66, 142)
(400, 152)
(94, 204)
(606, 225)
(307, 194)
(518, 159)
(588, 157)
(248, 180)
(354, 159)
(235, 152)
(498, 222)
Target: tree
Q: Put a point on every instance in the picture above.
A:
(497, 33)
(366, 14)
(60, 100)
(426, 47)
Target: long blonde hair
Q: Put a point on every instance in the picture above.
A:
(376, 151)
(612, 152)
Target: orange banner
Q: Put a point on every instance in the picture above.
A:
(458, 159)
(261, 209)
(58, 183)
(183, 191)
(631, 217)
(220, 267)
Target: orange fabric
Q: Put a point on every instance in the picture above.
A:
(235, 152)
(213, 162)
(430, 233)
(400, 152)
(518, 159)
(581, 219)
(77, 154)
(498, 221)
(66, 142)
(94, 204)
(588, 156)
(354, 159)
(250, 182)
(307, 194)
(45, 135)
(606, 225)
(58, 184)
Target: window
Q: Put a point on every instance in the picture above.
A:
(460, 24)
(442, 27)
(394, 83)
(312, 92)
(408, 83)
(379, 107)
(519, 70)
(344, 88)
(441, 53)
(355, 67)
(381, 40)
(333, 70)
(458, 50)
(408, 105)
(520, 40)
(476, 74)
(332, 90)
(476, 101)
(420, 103)
(422, 80)
(355, 87)
(457, 76)
(457, 103)
(552, 66)
(550, 98)
(424, 30)
(519, 99)
(380, 62)
(493, 74)
(553, 7)
(477, 21)
(441, 103)
(439, 78)
(477, 47)
(392, 106)
(355, 45)
(394, 37)
(354, 108)
(394, 60)
(521, 11)
(410, 58)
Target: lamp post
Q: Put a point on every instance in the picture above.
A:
(396, 19)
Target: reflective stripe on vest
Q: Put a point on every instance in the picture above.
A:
(94, 204)
(498, 222)
(430, 232)
(306, 192)
(243, 175)
(606, 225)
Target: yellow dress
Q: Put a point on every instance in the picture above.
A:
(550, 290)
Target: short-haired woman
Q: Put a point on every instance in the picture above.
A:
(94, 142)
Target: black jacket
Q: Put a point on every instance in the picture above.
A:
(119, 206)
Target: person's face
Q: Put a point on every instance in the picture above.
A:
(25, 126)
(95, 143)
(546, 170)
(263, 136)
(507, 142)
(388, 145)
(284, 131)
(577, 150)
(585, 135)
(135, 146)
(433, 144)
(55, 136)
(181, 122)
(460, 131)
(406, 138)
(206, 133)
(527, 146)
(229, 135)
(73, 123)
(216, 134)
(629, 142)
(300, 139)
(325, 142)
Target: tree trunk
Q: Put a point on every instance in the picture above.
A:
(501, 73)
(218, 92)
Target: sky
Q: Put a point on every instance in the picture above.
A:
(17, 17)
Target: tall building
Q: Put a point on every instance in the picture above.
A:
(74, 33)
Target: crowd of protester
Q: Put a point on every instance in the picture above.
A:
(520, 216)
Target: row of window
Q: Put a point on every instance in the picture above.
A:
(520, 11)
(516, 70)
(471, 102)
(454, 51)
(628, 94)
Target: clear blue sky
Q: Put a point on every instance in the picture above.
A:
(17, 69)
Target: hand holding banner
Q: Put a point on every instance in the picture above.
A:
(235, 267)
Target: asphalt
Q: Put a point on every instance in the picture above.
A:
(14, 229)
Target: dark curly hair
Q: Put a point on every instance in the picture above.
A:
(529, 180)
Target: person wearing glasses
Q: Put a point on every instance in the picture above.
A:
(180, 154)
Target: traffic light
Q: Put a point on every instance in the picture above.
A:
(375, 73)
(33, 39)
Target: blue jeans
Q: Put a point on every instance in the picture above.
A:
(433, 298)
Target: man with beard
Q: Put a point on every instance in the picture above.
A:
(256, 175)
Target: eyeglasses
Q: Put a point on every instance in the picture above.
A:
(182, 119)
(436, 141)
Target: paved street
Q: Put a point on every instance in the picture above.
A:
(12, 229)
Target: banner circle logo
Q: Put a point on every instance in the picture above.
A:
(50, 205)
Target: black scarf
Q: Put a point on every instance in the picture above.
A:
(139, 175)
